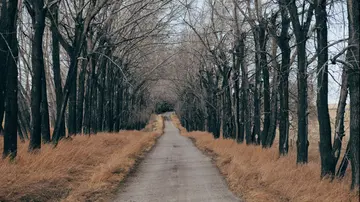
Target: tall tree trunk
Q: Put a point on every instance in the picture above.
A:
(108, 100)
(257, 99)
(340, 115)
(274, 96)
(44, 110)
(238, 62)
(72, 100)
(226, 106)
(344, 163)
(118, 101)
(90, 117)
(94, 94)
(9, 86)
(74, 50)
(38, 18)
(237, 95)
(302, 138)
(88, 101)
(101, 96)
(265, 73)
(24, 111)
(300, 31)
(245, 114)
(56, 68)
(5, 25)
(354, 89)
(327, 159)
(283, 42)
(74, 53)
(80, 99)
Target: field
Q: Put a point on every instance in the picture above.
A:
(257, 174)
(86, 168)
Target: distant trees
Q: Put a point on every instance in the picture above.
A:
(253, 97)
(162, 107)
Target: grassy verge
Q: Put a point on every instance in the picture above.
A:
(86, 168)
(257, 174)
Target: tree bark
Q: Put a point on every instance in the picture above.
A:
(72, 100)
(38, 18)
(274, 97)
(340, 116)
(226, 105)
(101, 96)
(300, 31)
(5, 27)
(108, 100)
(56, 68)
(118, 101)
(344, 163)
(283, 42)
(9, 85)
(44, 110)
(236, 79)
(74, 51)
(88, 101)
(354, 90)
(80, 99)
(257, 100)
(245, 112)
(302, 141)
(265, 73)
(327, 159)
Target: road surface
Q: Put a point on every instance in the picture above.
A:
(175, 170)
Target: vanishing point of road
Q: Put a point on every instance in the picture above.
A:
(175, 170)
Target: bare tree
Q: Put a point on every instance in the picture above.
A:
(327, 158)
(301, 29)
(38, 98)
(9, 73)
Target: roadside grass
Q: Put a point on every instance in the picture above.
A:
(257, 174)
(86, 168)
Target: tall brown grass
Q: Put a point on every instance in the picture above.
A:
(86, 168)
(257, 174)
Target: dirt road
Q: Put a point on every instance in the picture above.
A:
(175, 170)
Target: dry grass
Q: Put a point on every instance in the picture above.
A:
(86, 168)
(256, 174)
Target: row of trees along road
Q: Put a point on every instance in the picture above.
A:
(250, 70)
(240, 68)
(78, 66)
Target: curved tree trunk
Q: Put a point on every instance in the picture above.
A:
(56, 67)
(340, 115)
